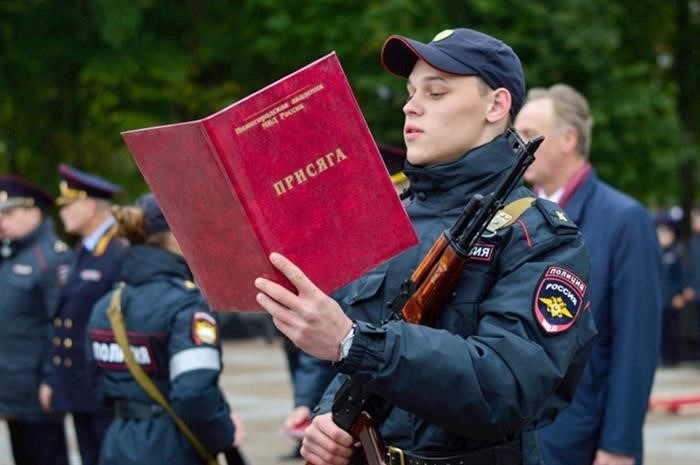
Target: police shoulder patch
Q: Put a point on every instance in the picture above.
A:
(559, 299)
(204, 329)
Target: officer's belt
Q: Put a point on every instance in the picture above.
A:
(504, 454)
(135, 410)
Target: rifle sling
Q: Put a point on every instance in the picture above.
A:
(116, 319)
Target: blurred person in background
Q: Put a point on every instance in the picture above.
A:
(692, 292)
(33, 266)
(394, 159)
(85, 201)
(674, 284)
(603, 425)
(176, 338)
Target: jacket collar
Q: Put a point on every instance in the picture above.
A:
(581, 197)
(477, 171)
(145, 263)
(44, 228)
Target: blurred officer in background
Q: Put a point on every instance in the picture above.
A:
(32, 269)
(603, 425)
(394, 159)
(175, 339)
(674, 283)
(692, 292)
(86, 211)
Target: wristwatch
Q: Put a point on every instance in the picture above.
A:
(346, 343)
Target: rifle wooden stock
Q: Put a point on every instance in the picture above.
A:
(428, 262)
(435, 279)
(365, 429)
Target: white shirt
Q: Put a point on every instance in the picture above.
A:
(90, 242)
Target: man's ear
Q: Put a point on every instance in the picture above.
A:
(569, 140)
(500, 106)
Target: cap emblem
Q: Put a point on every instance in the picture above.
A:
(68, 194)
(443, 35)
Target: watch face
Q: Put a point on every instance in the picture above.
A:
(345, 348)
(347, 342)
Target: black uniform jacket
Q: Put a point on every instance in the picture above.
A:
(92, 275)
(30, 280)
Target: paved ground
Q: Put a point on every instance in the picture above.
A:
(257, 384)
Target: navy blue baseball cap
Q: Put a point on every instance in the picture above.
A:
(464, 52)
(18, 192)
(78, 185)
(152, 214)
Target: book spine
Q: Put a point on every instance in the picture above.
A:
(237, 191)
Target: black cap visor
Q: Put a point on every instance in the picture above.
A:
(399, 56)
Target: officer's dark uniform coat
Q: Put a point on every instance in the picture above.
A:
(497, 361)
(675, 280)
(626, 280)
(92, 275)
(162, 311)
(29, 285)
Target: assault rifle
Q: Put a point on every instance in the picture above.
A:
(422, 296)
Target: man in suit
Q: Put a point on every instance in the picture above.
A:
(86, 211)
(603, 425)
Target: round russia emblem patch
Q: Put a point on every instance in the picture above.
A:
(559, 299)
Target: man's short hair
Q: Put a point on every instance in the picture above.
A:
(570, 109)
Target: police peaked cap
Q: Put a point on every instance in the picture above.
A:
(78, 185)
(18, 192)
(394, 159)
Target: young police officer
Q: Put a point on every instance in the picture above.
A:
(507, 349)
(33, 266)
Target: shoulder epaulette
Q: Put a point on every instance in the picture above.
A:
(555, 215)
(185, 284)
(509, 214)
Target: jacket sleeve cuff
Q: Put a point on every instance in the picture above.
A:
(365, 355)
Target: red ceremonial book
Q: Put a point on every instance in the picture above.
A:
(292, 169)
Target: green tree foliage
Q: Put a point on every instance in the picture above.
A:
(74, 74)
